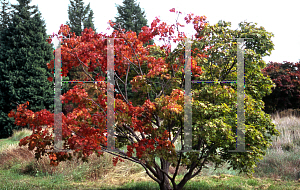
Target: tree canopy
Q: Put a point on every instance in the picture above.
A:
(80, 17)
(5, 16)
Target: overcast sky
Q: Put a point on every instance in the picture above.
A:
(279, 17)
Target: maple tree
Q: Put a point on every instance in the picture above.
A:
(214, 107)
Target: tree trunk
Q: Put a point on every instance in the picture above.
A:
(181, 184)
(165, 185)
(165, 182)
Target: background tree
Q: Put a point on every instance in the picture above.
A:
(214, 107)
(131, 18)
(80, 16)
(286, 94)
(88, 23)
(23, 70)
(5, 16)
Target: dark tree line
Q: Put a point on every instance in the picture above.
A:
(24, 53)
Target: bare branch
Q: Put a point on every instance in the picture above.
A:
(136, 57)
(126, 99)
(133, 65)
(202, 164)
(132, 132)
(82, 64)
(126, 81)
(176, 136)
(125, 134)
(87, 73)
(119, 78)
(177, 166)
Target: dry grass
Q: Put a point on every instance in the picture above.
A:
(287, 113)
(289, 128)
(282, 158)
(12, 154)
(100, 169)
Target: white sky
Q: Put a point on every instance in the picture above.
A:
(279, 17)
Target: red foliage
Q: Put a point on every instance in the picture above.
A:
(286, 95)
(90, 50)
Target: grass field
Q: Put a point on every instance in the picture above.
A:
(279, 169)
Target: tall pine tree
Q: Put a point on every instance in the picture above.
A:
(24, 53)
(5, 15)
(131, 18)
(88, 22)
(80, 16)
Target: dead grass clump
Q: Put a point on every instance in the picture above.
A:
(13, 155)
(20, 134)
(123, 172)
(289, 128)
(288, 113)
(282, 158)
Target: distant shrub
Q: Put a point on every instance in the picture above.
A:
(286, 94)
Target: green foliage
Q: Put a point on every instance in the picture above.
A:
(214, 107)
(24, 53)
(286, 94)
(131, 17)
(5, 17)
